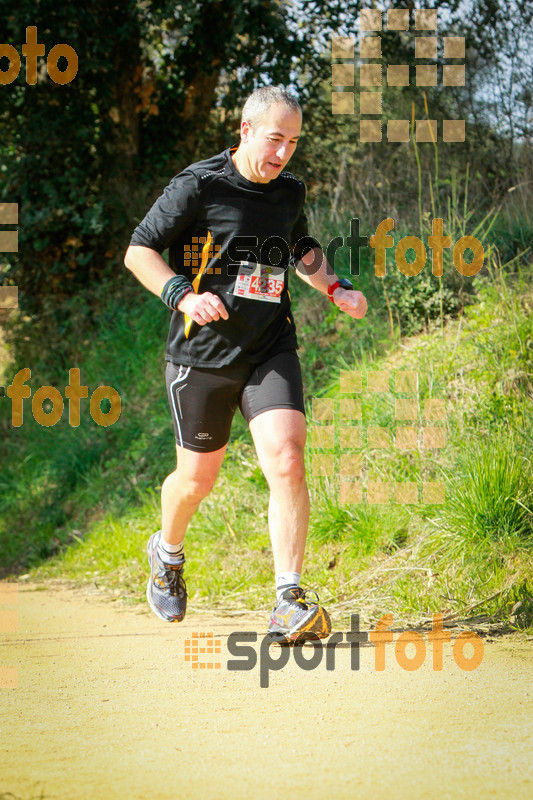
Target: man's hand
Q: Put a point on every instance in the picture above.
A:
(354, 303)
(203, 308)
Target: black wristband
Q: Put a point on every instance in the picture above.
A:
(303, 246)
(174, 289)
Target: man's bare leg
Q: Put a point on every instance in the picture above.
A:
(182, 492)
(279, 437)
(184, 489)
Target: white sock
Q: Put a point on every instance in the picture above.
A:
(169, 553)
(286, 580)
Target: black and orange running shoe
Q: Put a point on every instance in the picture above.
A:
(295, 619)
(166, 592)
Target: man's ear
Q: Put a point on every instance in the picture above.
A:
(245, 130)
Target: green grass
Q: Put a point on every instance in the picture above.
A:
(491, 496)
(477, 546)
(78, 504)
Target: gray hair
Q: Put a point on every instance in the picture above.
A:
(258, 103)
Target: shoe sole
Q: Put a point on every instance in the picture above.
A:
(157, 611)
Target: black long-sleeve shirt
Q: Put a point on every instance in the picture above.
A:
(213, 219)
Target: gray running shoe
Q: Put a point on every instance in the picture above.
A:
(166, 591)
(296, 619)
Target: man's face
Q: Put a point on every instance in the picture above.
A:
(270, 144)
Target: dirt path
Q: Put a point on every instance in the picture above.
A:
(107, 707)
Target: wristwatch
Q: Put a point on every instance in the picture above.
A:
(344, 283)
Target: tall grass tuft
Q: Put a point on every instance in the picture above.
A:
(490, 498)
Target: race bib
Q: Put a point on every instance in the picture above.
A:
(259, 282)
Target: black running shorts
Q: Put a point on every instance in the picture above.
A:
(203, 401)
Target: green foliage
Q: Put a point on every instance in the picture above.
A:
(417, 301)
(155, 90)
(490, 497)
(52, 475)
(368, 529)
(83, 160)
(79, 503)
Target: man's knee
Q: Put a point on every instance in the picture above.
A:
(287, 463)
(193, 486)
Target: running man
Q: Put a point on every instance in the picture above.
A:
(232, 342)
